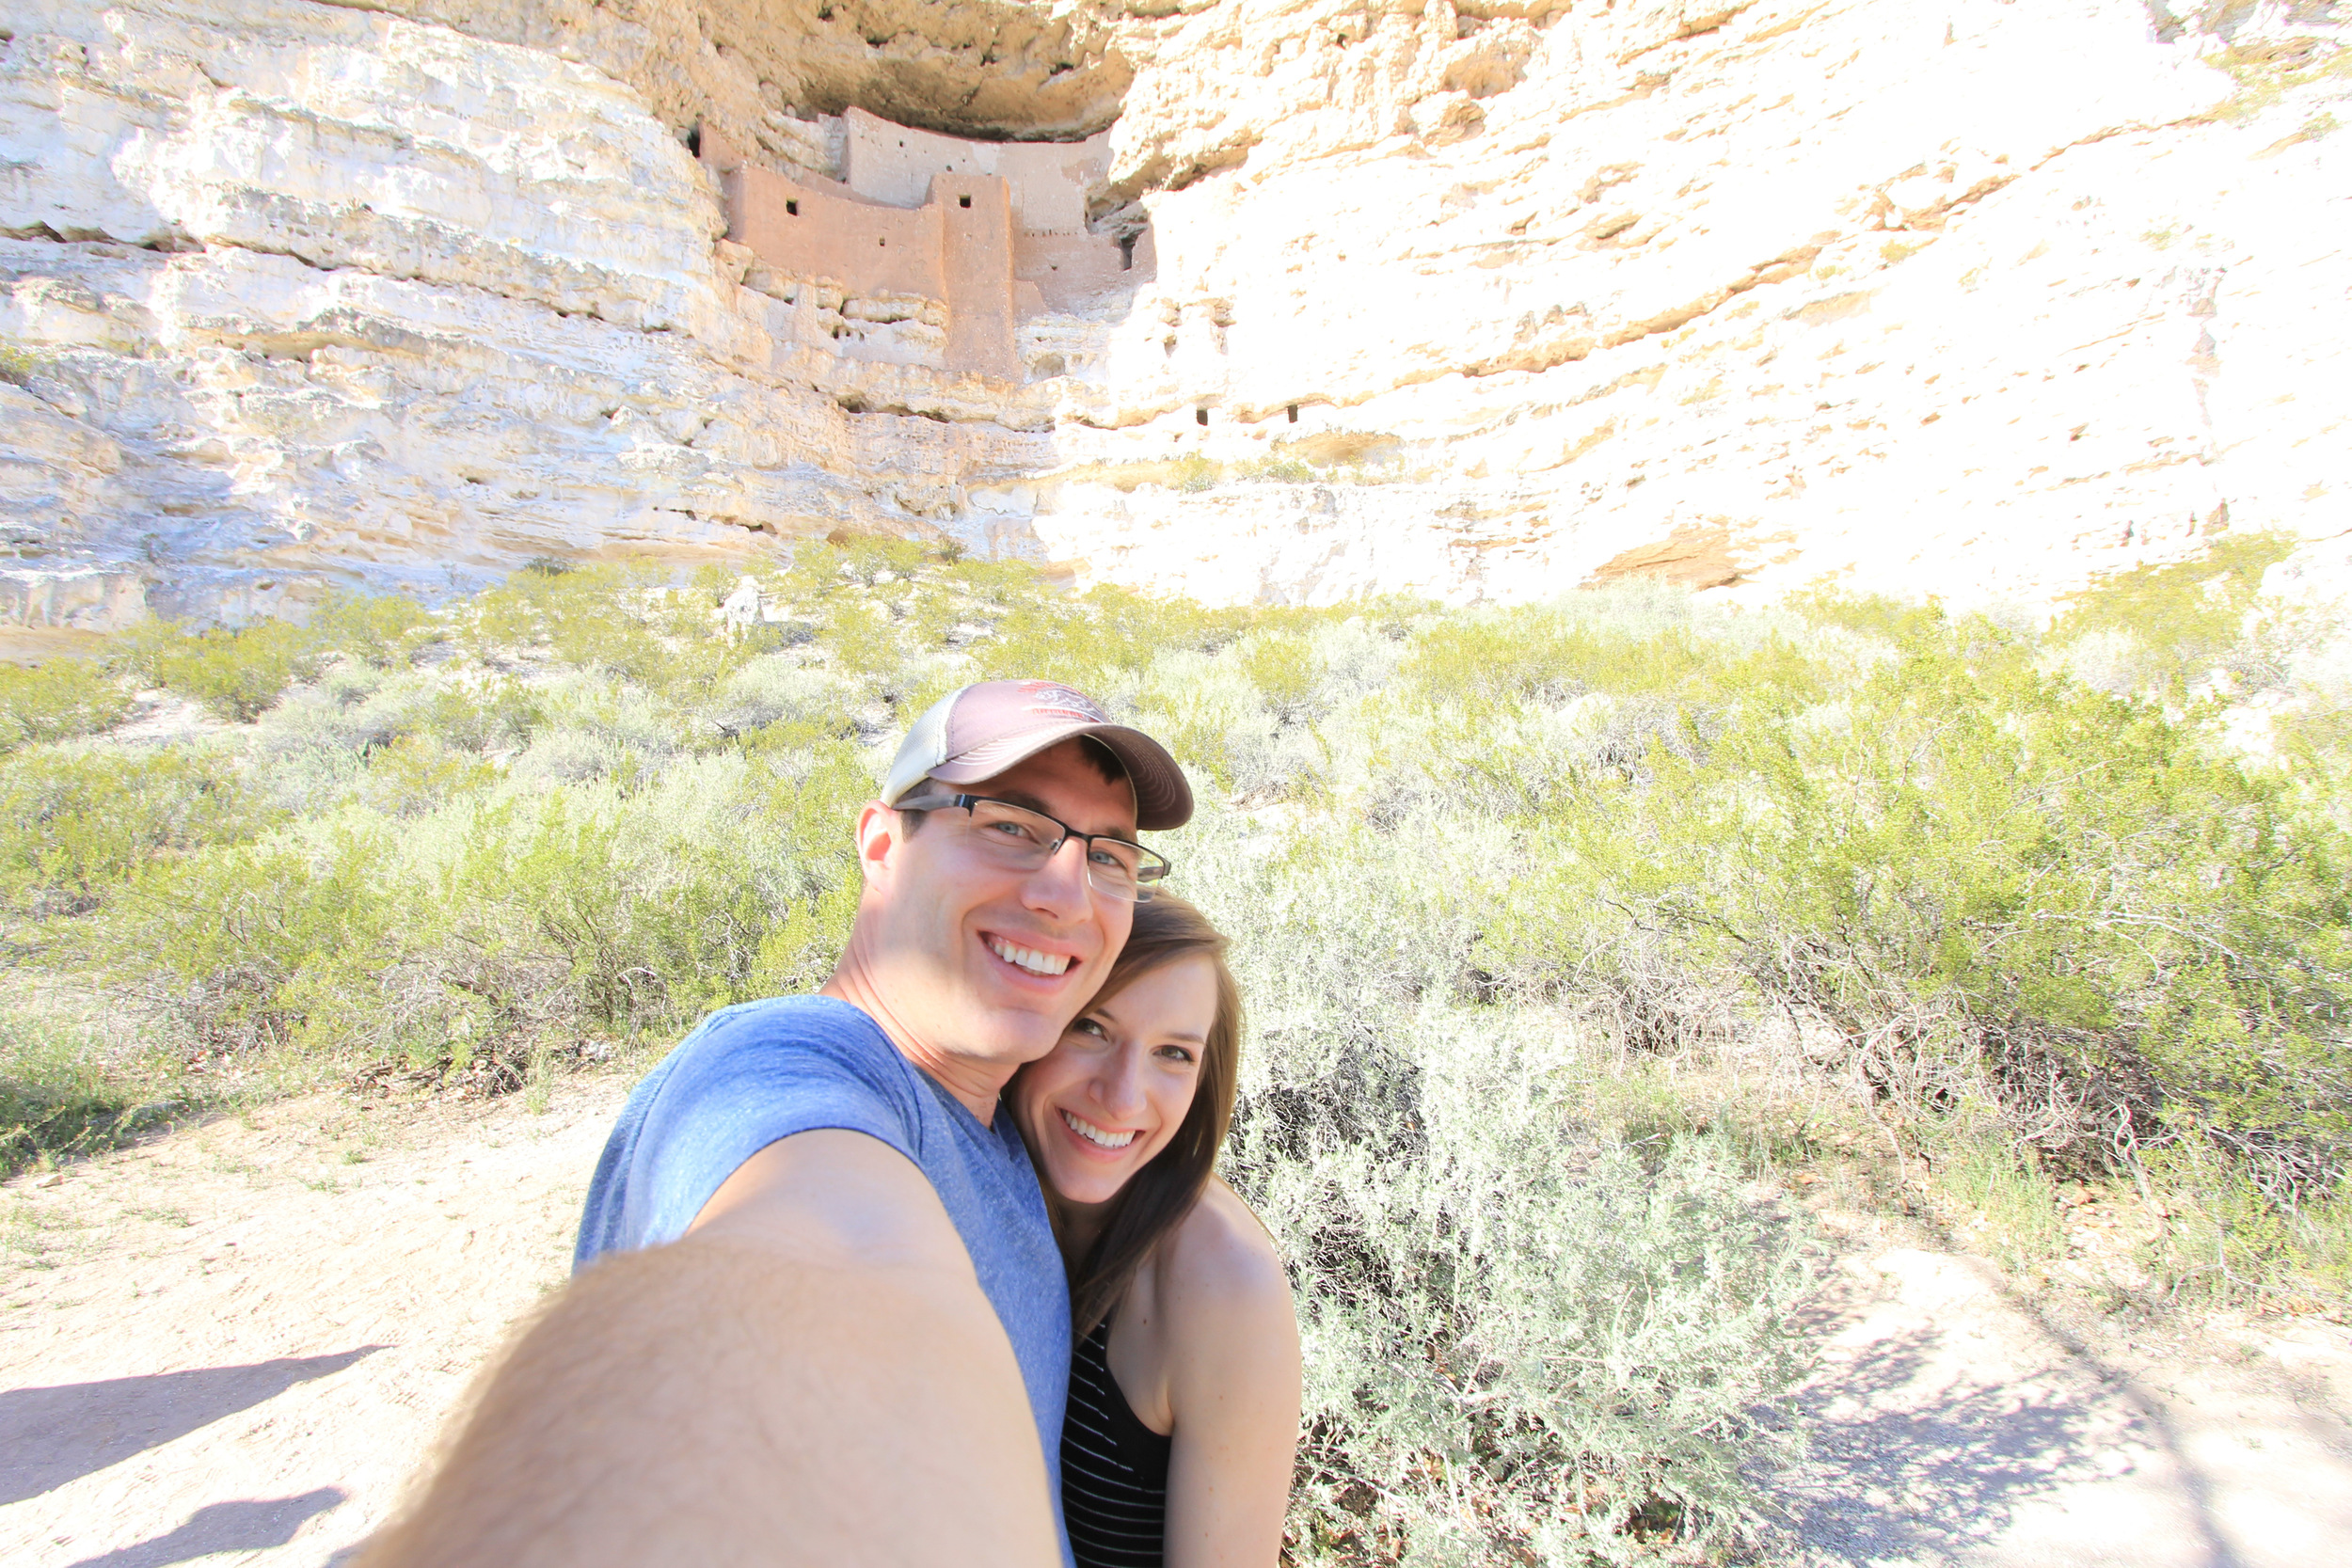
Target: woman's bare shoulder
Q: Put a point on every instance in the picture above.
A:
(1220, 1258)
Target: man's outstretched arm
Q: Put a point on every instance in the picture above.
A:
(811, 1375)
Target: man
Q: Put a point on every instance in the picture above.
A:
(818, 1316)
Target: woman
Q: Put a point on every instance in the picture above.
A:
(1184, 1386)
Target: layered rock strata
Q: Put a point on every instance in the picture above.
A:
(1480, 300)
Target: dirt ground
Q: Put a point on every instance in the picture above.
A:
(242, 1338)
(1957, 1421)
(237, 1341)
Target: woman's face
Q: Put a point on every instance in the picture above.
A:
(1113, 1092)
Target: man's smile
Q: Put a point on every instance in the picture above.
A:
(1029, 961)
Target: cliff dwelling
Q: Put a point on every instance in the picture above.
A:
(1306, 304)
(986, 235)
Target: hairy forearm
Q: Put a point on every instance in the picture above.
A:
(722, 1401)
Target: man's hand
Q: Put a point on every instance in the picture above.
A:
(811, 1375)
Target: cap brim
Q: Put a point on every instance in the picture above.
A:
(1163, 798)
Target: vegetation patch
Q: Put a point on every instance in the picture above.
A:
(1336, 457)
(56, 1101)
(1570, 933)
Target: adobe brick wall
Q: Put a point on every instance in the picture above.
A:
(1068, 268)
(994, 231)
(895, 165)
(865, 249)
(975, 258)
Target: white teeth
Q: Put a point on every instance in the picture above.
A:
(1036, 963)
(1092, 1133)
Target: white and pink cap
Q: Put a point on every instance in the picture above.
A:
(977, 732)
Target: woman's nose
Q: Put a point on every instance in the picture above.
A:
(1120, 1088)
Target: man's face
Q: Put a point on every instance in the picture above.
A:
(963, 945)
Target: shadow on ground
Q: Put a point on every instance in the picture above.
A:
(1931, 1481)
(50, 1436)
(238, 1527)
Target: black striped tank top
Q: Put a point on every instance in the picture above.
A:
(1114, 1468)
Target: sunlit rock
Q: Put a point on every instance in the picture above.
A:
(1474, 301)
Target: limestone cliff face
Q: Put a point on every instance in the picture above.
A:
(1482, 300)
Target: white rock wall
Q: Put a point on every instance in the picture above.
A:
(1975, 299)
(1972, 298)
(302, 294)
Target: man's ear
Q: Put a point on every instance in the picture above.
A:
(877, 839)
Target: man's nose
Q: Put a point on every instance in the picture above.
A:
(1060, 886)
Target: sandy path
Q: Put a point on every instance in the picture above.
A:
(235, 1340)
(1954, 1421)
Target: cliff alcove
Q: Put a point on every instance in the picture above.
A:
(1471, 300)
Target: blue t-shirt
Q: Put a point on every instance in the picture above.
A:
(751, 1074)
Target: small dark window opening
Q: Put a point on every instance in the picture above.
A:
(694, 141)
(963, 201)
(882, 242)
(1294, 412)
(1126, 252)
(792, 209)
(1200, 415)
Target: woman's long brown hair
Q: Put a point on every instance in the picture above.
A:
(1163, 1193)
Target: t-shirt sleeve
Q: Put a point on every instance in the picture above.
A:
(746, 1077)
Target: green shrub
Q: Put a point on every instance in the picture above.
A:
(2316, 742)
(235, 673)
(1527, 1338)
(232, 945)
(56, 1101)
(57, 701)
(18, 364)
(76, 826)
(1500, 883)
(378, 628)
(2188, 620)
(488, 716)
(1978, 875)
(414, 775)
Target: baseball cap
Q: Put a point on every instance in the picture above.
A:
(976, 732)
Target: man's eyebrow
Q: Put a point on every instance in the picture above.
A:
(1023, 797)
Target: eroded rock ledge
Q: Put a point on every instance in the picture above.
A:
(1471, 300)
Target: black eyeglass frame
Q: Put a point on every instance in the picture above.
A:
(1153, 868)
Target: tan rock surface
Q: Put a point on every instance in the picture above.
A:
(1476, 298)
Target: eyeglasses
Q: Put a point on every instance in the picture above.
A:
(1020, 839)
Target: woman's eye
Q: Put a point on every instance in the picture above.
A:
(1182, 1054)
(1088, 1026)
